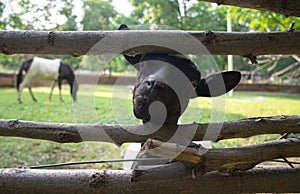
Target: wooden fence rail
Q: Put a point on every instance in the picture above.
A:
(119, 134)
(80, 43)
(260, 179)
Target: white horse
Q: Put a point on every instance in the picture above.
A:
(46, 69)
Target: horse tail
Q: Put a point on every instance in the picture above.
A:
(24, 67)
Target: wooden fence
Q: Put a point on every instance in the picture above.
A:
(9, 80)
(190, 170)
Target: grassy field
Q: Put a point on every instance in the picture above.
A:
(106, 104)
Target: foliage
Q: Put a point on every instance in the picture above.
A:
(101, 62)
(2, 6)
(9, 18)
(48, 16)
(256, 20)
(67, 10)
(158, 12)
(98, 15)
(197, 16)
(259, 20)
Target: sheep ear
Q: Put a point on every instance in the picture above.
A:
(133, 60)
(218, 83)
(123, 27)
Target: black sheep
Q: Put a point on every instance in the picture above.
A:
(166, 82)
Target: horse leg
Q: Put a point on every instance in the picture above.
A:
(21, 87)
(52, 87)
(59, 87)
(20, 93)
(29, 82)
(32, 96)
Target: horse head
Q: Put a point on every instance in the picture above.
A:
(166, 82)
(66, 72)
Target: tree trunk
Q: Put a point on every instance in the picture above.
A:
(116, 42)
(286, 7)
(261, 179)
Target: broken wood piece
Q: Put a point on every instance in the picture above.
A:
(232, 159)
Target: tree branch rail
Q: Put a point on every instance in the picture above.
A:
(257, 180)
(119, 134)
(134, 42)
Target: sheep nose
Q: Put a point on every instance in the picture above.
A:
(154, 84)
(149, 84)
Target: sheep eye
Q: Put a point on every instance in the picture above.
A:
(195, 83)
(142, 65)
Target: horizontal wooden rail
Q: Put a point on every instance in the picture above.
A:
(119, 134)
(115, 42)
(258, 180)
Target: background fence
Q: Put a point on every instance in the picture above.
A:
(9, 80)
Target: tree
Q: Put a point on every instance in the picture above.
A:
(158, 12)
(71, 24)
(259, 20)
(256, 20)
(10, 18)
(2, 6)
(98, 15)
(198, 15)
(67, 11)
(43, 19)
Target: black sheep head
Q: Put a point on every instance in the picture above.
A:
(166, 82)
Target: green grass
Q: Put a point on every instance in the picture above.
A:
(106, 104)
